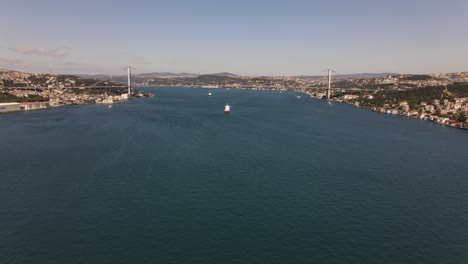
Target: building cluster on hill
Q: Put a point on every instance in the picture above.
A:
(440, 98)
(15, 79)
(308, 84)
(38, 91)
(445, 105)
(450, 113)
(56, 98)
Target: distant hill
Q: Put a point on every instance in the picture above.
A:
(139, 77)
(165, 74)
(148, 75)
(416, 77)
(351, 75)
(225, 74)
(10, 78)
(97, 76)
(216, 78)
(365, 75)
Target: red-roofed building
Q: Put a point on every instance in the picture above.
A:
(33, 105)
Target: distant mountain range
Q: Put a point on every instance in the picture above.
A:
(351, 75)
(224, 74)
(145, 77)
(141, 77)
(165, 74)
(154, 75)
(373, 81)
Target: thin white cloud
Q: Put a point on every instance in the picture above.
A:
(41, 51)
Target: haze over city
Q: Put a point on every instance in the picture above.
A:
(242, 37)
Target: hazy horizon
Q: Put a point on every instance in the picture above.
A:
(271, 38)
(324, 73)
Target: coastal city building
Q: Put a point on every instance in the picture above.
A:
(33, 105)
(9, 107)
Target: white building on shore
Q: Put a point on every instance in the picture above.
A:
(9, 107)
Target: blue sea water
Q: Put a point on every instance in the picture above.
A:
(171, 179)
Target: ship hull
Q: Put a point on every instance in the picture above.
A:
(227, 112)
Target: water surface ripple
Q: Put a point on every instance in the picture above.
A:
(171, 179)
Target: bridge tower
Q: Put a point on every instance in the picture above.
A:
(329, 82)
(129, 72)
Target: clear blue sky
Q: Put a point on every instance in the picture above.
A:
(242, 37)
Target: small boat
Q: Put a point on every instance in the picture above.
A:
(298, 97)
(110, 106)
(209, 94)
(227, 109)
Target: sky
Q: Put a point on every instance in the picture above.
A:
(243, 37)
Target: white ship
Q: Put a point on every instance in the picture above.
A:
(209, 94)
(227, 109)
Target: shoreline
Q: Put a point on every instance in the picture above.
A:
(338, 101)
(72, 104)
(398, 115)
(430, 118)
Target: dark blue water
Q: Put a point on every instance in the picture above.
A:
(171, 179)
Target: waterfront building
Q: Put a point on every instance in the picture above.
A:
(33, 105)
(53, 102)
(350, 96)
(108, 100)
(9, 107)
(429, 107)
